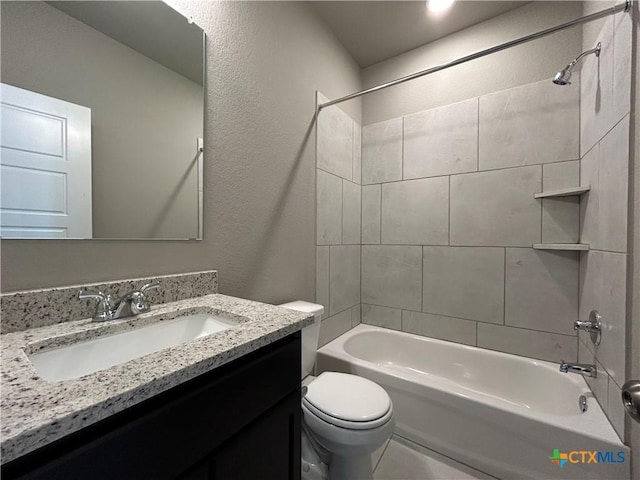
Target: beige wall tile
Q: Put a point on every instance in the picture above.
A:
(344, 277)
(464, 282)
(322, 278)
(335, 142)
(596, 91)
(529, 343)
(615, 410)
(599, 385)
(438, 326)
(392, 276)
(416, 212)
(560, 175)
(356, 315)
(382, 152)
(541, 290)
(561, 220)
(332, 327)
(357, 153)
(530, 124)
(441, 141)
(496, 208)
(351, 212)
(371, 206)
(382, 316)
(613, 183)
(329, 209)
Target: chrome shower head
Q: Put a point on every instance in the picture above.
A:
(563, 77)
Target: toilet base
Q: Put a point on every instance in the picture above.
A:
(313, 468)
(314, 471)
(315, 460)
(340, 468)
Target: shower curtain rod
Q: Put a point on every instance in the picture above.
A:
(626, 6)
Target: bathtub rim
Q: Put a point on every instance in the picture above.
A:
(600, 427)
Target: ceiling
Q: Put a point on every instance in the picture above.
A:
(150, 27)
(373, 31)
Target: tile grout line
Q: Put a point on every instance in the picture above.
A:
(329, 286)
(422, 279)
(402, 152)
(478, 138)
(504, 289)
(380, 216)
(472, 246)
(342, 215)
(477, 328)
(483, 322)
(541, 204)
(449, 227)
(383, 452)
(470, 172)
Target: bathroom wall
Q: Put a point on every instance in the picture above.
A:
(265, 62)
(71, 61)
(450, 167)
(449, 221)
(604, 134)
(338, 207)
(525, 63)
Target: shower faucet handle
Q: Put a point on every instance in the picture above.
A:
(593, 326)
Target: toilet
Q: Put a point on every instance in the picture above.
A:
(345, 418)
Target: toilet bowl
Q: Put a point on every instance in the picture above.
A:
(345, 417)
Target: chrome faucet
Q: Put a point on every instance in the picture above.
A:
(133, 303)
(582, 368)
(593, 326)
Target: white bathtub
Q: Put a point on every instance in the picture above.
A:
(499, 413)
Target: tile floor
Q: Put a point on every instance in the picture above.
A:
(401, 459)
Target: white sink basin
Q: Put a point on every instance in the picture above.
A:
(91, 356)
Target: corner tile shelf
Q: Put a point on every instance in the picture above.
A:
(562, 246)
(565, 192)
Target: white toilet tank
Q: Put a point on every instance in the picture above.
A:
(310, 334)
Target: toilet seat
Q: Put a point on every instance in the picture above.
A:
(348, 401)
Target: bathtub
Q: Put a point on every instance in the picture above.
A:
(499, 413)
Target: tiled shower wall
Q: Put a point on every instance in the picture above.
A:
(449, 219)
(338, 197)
(605, 106)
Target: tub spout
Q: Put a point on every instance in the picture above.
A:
(582, 368)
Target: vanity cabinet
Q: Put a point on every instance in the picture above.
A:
(238, 421)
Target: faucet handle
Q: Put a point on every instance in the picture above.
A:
(103, 307)
(84, 293)
(149, 286)
(139, 303)
(564, 366)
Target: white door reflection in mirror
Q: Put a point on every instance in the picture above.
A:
(45, 166)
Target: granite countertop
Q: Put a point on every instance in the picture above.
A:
(36, 412)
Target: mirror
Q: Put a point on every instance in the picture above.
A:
(102, 121)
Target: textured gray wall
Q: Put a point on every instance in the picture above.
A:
(265, 62)
(516, 66)
(145, 118)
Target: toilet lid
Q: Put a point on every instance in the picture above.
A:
(348, 398)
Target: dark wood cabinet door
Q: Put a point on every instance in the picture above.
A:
(268, 449)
